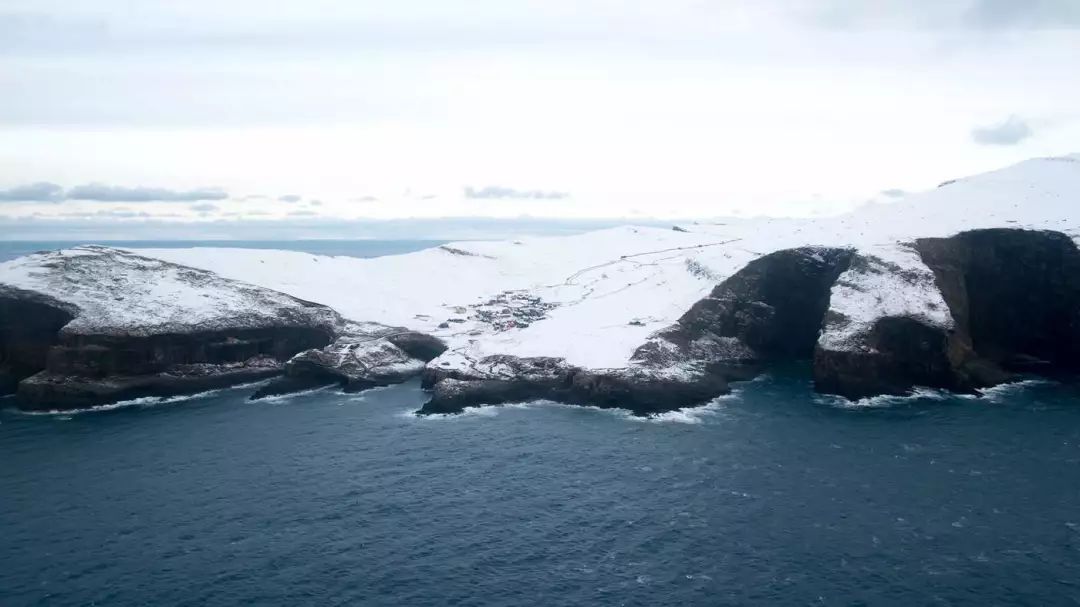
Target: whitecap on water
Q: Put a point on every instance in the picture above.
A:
(145, 401)
(884, 400)
(996, 394)
(688, 415)
(284, 398)
(1001, 392)
(467, 413)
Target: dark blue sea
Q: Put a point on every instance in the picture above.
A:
(770, 496)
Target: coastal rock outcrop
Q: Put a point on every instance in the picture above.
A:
(29, 326)
(887, 329)
(959, 313)
(364, 356)
(509, 379)
(770, 310)
(93, 325)
(1015, 298)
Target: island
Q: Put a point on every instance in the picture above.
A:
(966, 286)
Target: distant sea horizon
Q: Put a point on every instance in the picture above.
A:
(362, 248)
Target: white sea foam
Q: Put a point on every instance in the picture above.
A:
(284, 398)
(467, 413)
(995, 394)
(885, 400)
(143, 402)
(687, 415)
(1002, 392)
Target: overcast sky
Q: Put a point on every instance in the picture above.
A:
(129, 111)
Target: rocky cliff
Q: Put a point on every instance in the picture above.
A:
(978, 308)
(94, 325)
(959, 313)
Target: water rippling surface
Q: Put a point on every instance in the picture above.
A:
(768, 496)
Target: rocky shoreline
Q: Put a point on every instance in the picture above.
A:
(960, 313)
(102, 325)
(1014, 295)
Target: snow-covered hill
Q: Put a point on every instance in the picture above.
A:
(593, 298)
(120, 293)
(91, 325)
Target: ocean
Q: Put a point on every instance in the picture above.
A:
(769, 496)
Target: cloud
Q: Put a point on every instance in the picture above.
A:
(494, 192)
(940, 14)
(107, 193)
(365, 199)
(894, 193)
(1024, 14)
(303, 214)
(204, 207)
(34, 192)
(290, 198)
(1010, 132)
(112, 214)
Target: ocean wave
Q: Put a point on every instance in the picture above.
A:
(1001, 392)
(284, 398)
(467, 413)
(995, 394)
(885, 401)
(143, 402)
(687, 415)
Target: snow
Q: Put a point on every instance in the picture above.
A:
(122, 293)
(365, 358)
(594, 298)
(885, 280)
(597, 291)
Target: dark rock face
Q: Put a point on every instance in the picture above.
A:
(102, 355)
(417, 345)
(47, 390)
(497, 380)
(1014, 294)
(770, 310)
(29, 326)
(88, 370)
(907, 347)
(643, 392)
(903, 353)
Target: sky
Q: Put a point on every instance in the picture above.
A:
(124, 116)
